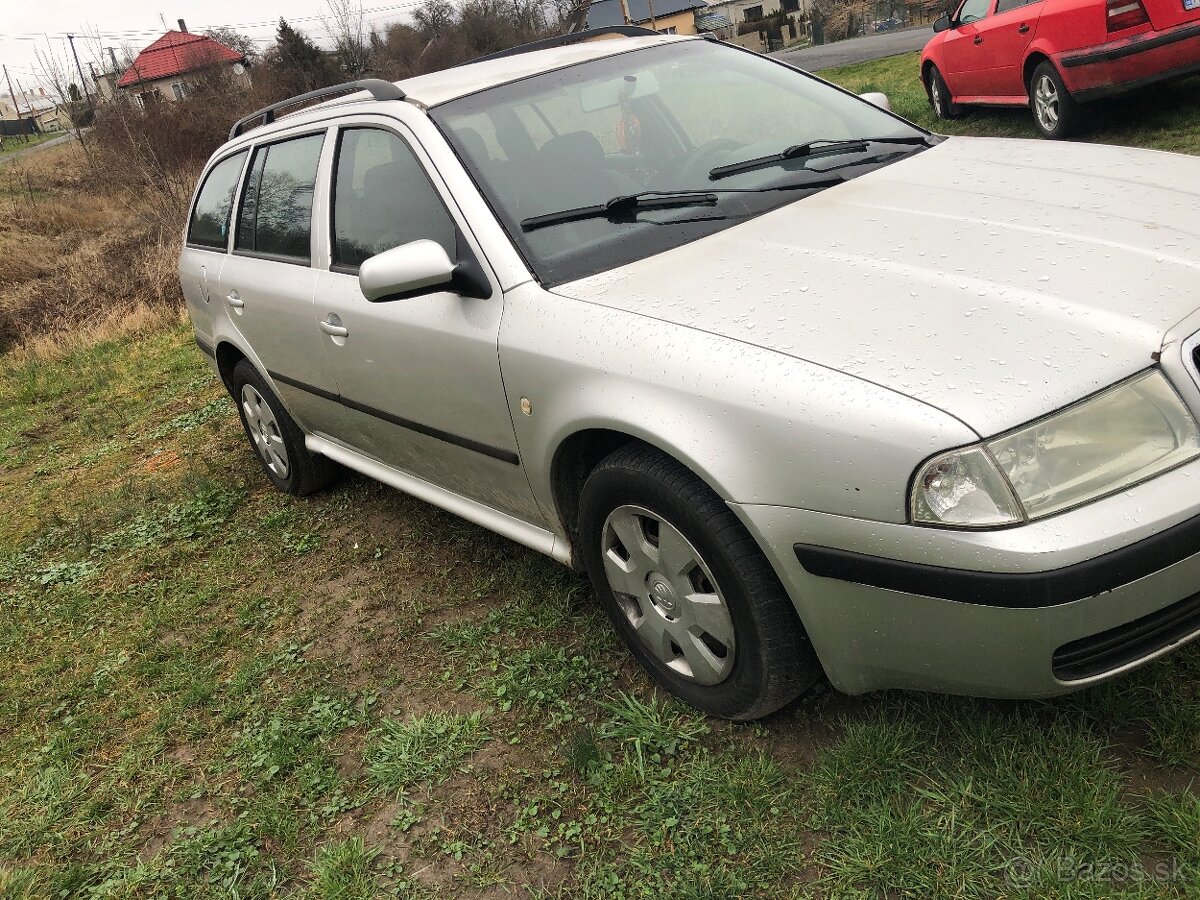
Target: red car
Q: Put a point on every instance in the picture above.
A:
(1055, 55)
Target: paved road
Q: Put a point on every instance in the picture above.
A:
(874, 46)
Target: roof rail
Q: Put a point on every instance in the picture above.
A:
(377, 87)
(565, 40)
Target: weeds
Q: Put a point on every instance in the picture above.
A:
(424, 749)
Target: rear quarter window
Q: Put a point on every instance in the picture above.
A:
(209, 224)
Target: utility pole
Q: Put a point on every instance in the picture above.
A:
(13, 94)
(653, 26)
(625, 10)
(79, 69)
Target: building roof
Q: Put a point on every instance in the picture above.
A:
(604, 13)
(711, 22)
(176, 53)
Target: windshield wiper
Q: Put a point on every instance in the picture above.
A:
(623, 208)
(618, 208)
(823, 147)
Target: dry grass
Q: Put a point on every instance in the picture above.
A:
(78, 261)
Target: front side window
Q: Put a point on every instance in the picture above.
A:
(690, 118)
(1004, 6)
(275, 219)
(382, 198)
(973, 11)
(209, 225)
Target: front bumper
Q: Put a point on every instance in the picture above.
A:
(1131, 63)
(1034, 611)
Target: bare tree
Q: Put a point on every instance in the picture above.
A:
(347, 27)
(235, 41)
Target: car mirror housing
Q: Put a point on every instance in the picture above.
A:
(943, 23)
(411, 268)
(877, 99)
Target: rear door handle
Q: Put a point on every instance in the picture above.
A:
(234, 300)
(334, 328)
(1024, 29)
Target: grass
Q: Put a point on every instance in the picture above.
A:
(1166, 117)
(209, 690)
(16, 143)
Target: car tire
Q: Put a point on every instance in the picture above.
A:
(692, 595)
(940, 98)
(1056, 113)
(277, 440)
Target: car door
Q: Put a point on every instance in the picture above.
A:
(207, 242)
(1006, 34)
(963, 50)
(419, 376)
(268, 282)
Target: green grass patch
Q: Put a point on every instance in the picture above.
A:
(1165, 117)
(423, 750)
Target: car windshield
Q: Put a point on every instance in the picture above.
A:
(682, 118)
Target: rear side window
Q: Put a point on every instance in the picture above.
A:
(382, 198)
(276, 213)
(209, 225)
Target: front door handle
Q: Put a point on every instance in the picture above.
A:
(1024, 29)
(234, 300)
(979, 39)
(333, 327)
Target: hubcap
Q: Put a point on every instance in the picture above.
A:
(667, 592)
(264, 431)
(1045, 103)
(936, 90)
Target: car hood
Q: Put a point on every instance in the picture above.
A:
(994, 279)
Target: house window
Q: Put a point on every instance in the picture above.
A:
(753, 13)
(671, 30)
(790, 5)
(177, 90)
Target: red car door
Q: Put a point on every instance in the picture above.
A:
(1005, 35)
(963, 49)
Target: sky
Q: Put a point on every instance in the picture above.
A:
(26, 25)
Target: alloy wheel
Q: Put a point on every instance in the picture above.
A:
(1046, 103)
(264, 431)
(668, 593)
(935, 91)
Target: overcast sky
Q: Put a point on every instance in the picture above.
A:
(44, 24)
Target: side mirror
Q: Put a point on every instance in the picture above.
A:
(405, 269)
(942, 24)
(877, 99)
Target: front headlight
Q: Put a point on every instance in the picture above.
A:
(1114, 439)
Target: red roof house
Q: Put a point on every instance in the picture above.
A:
(174, 54)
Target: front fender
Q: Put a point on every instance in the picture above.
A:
(758, 426)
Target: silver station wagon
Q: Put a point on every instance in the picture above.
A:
(806, 390)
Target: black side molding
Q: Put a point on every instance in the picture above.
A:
(1011, 590)
(1131, 49)
(206, 348)
(499, 453)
